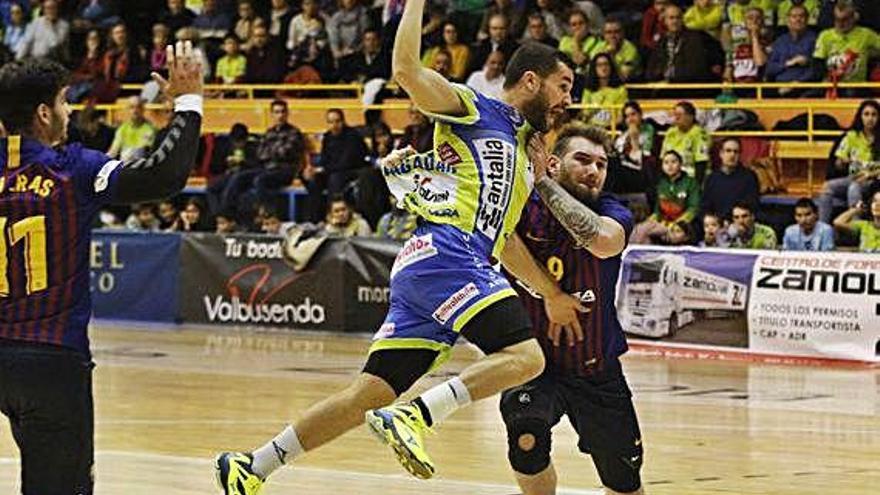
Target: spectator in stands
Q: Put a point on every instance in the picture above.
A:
(680, 233)
(603, 88)
(307, 22)
(635, 146)
(13, 35)
(490, 80)
(705, 15)
(135, 136)
(510, 10)
(280, 18)
(746, 53)
(89, 70)
(730, 183)
(537, 32)
(169, 215)
(142, 218)
(744, 232)
(653, 25)
(681, 54)
(868, 229)
(397, 224)
(265, 61)
(459, 52)
(312, 60)
(281, 154)
(122, 61)
(442, 63)
(243, 24)
(580, 45)
(499, 40)
(161, 39)
(419, 133)
(843, 52)
(714, 234)
(346, 27)
(811, 9)
(270, 222)
(212, 22)
(226, 223)
(791, 54)
(231, 67)
(858, 153)
(369, 63)
(92, 14)
(239, 162)
(47, 35)
(689, 139)
(92, 131)
(342, 221)
(343, 153)
(808, 233)
(552, 13)
(678, 194)
(625, 54)
(176, 16)
(194, 218)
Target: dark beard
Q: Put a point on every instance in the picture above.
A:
(535, 111)
(581, 193)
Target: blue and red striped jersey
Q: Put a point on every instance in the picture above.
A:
(49, 198)
(578, 272)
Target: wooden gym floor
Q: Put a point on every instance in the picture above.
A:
(167, 401)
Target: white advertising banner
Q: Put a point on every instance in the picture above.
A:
(816, 304)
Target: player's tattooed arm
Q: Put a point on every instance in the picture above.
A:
(578, 219)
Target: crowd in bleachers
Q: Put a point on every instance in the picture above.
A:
(686, 187)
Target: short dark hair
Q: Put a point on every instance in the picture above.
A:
(337, 111)
(278, 102)
(806, 203)
(674, 153)
(634, 105)
(24, 86)
(688, 108)
(535, 57)
(729, 139)
(744, 205)
(575, 130)
(231, 36)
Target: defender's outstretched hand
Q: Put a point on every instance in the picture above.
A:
(184, 71)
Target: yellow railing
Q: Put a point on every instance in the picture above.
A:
(250, 89)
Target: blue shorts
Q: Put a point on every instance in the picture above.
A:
(439, 282)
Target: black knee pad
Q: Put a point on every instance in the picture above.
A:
(536, 459)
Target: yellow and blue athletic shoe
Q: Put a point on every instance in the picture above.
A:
(235, 474)
(401, 427)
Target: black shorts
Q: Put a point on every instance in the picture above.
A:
(601, 411)
(46, 392)
(502, 324)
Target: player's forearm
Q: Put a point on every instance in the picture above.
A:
(165, 171)
(427, 89)
(517, 260)
(600, 235)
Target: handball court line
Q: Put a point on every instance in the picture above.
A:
(291, 480)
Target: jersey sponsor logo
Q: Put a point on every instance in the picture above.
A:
(497, 160)
(448, 154)
(416, 249)
(236, 311)
(385, 331)
(102, 180)
(423, 161)
(455, 302)
(427, 193)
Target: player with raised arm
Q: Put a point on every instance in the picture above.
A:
(50, 194)
(577, 233)
(468, 193)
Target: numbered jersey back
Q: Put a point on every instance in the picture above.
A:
(46, 212)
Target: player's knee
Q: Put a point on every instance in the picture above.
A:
(528, 446)
(531, 361)
(369, 392)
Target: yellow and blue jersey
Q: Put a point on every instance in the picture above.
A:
(477, 178)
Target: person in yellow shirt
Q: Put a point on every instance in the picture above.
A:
(580, 45)
(689, 139)
(705, 15)
(625, 54)
(846, 48)
(604, 88)
(231, 67)
(459, 52)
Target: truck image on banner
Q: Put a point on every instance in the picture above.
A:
(685, 295)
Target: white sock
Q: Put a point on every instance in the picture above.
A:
(443, 400)
(282, 449)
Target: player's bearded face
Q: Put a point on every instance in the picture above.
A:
(583, 170)
(535, 110)
(59, 118)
